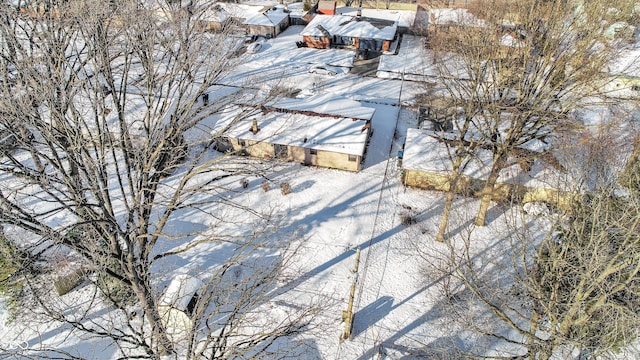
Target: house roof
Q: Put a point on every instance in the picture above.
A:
(269, 17)
(329, 104)
(351, 26)
(180, 292)
(424, 152)
(404, 18)
(215, 13)
(335, 134)
(459, 16)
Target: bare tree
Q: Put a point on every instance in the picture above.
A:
(107, 129)
(531, 63)
(451, 122)
(551, 287)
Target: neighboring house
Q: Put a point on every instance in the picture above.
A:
(446, 25)
(215, 18)
(446, 3)
(308, 131)
(357, 32)
(269, 22)
(327, 7)
(426, 165)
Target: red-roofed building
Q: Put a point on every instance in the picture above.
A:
(357, 32)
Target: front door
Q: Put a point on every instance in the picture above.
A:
(307, 156)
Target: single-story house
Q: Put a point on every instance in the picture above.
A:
(404, 18)
(177, 304)
(215, 18)
(426, 165)
(308, 131)
(269, 22)
(357, 32)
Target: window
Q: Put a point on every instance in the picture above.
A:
(313, 151)
(635, 87)
(353, 157)
(242, 143)
(280, 151)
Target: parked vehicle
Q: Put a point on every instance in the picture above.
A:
(324, 69)
(250, 38)
(254, 48)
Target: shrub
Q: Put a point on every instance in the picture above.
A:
(265, 186)
(12, 260)
(67, 282)
(407, 219)
(113, 289)
(285, 188)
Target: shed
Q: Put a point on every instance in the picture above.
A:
(214, 18)
(178, 302)
(426, 165)
(268, 23)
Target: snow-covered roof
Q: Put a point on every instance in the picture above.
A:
(351, 26)
(235, 10)
(454, 17)
(404, 18)
(424, 152)
(214, 13)
(336, 134)
(180, 291)
(329, 104)
(270, 17)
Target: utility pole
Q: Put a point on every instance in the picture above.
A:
(347, 315)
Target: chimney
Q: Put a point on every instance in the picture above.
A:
(254, 127)
(359, 12)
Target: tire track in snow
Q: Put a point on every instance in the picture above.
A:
(378, 228)
(362, 272)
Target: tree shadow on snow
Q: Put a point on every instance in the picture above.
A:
(371, 314)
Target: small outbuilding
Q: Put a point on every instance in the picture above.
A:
(269, 22)
(426, 164)
(177, 304)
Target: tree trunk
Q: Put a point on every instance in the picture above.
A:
(164, 345)
(487, 191)
(444, 223)
(148, 305)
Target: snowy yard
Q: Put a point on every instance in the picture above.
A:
(332, 213)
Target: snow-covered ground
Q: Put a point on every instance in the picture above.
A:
(336, 212)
